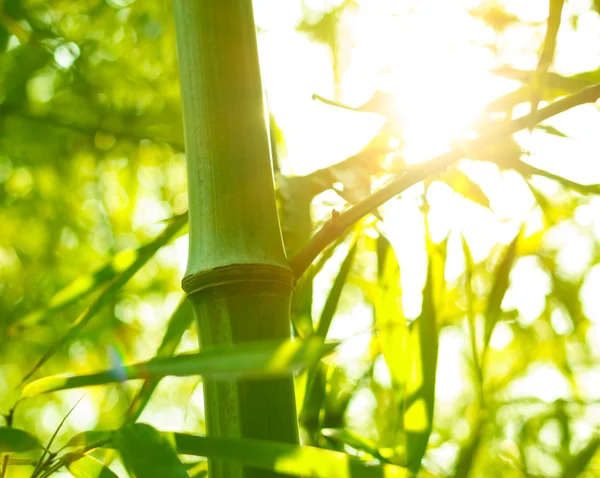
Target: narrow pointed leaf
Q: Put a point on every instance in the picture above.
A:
(551, 130)
(90, 439)
(146, 453)
(333, 299)
(468, 452)
(469, 267)
(85, 285)
(466, 187)
(249, 360)
(284, 458)
(420, 381)
(179, 322)
(14, 440)
(548, 49)
(581, 460)
(112, 290)
(500, 286)
(87, 467)
(389, 318)
(349, 438)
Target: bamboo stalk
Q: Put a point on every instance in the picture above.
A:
(238, 279)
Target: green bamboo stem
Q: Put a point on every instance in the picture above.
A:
(238, 279)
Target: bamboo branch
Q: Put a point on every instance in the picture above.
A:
(339, 222)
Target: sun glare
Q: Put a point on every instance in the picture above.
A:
(435, 58)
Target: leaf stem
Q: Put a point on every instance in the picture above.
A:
(338, 223)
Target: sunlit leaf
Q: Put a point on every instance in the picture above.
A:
(333, 299)
(14, 440)
(493, 14)
(468, 451)
(90, 439)
(421, 375)
(389, 318)
(551, 130)
(493, 310)
(547, 54)
(146, 453)
(469, 267)
(465, 186)
(249, 360)
(347, 437)
(282, 458)
(112, 290)
(87, 467)
(581, 460)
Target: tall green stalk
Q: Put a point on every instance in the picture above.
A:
(238, 279)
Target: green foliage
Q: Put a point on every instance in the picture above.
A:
(467, 347)
(13, 440)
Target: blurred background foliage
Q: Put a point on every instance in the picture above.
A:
(499, 262)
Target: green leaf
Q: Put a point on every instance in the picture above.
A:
(465, 186)
(501, 282)
(581, 460)
(179, 322)
(468, 451)
(144, 255)
(282, 458)
(146, 453)
(13, 440)
(90, 439)
(421, 374)
(392, 331)
(551, 130)
(469, 267)
(248, 360)
(349, 438)
(547, 55)
(333, 299)
(87, 467)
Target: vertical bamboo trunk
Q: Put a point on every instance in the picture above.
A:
(238, 280)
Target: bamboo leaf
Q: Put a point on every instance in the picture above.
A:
(112, 290)
(551, 130)
(465, 186)
(146, 453)
(282, 458)
(87, 467)
(469, 267)
(14, 440)
(389, 318)
(420, 381)
(333, 299)
(468, 451)
(248, 360)
(501, 282)
(547, 54)
(314, 393)
(580, 461)
(349, 438)
(85, 285)
(179, 322)
(90, 439)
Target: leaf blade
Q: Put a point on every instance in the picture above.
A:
(15, 440)
(250, 360)
(147, 453)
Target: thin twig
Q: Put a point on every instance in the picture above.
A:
(341, 221)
